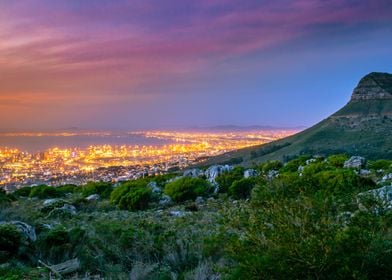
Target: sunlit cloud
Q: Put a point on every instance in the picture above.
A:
(110, 51)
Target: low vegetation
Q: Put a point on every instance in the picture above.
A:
(304, 219)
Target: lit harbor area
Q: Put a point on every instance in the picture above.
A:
(112, 162)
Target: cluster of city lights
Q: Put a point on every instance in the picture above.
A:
(21, 167)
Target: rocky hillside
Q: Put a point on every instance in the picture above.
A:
(363, 126)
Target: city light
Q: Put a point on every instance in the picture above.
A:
(56, 166)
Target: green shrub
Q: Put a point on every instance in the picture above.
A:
(380, 164)
(270, 165)
(44, 191)
(337, 160)
(226, 179)
(59, 244)
(241, 189)
(101, 188)
(135, 199)
(292, 166)
(68, 188)
(10, 241)
(132, 195)
(25, 192)
(187, 188)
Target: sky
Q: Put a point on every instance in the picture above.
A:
(140, 64)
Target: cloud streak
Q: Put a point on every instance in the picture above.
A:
(103, 48)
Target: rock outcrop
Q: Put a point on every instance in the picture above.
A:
(356, 162)
(27, 230)
(374, 86)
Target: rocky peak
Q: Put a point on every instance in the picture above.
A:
(374, 86)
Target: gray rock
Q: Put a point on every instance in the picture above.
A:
(199, 200)
(355, 162)
(154, 187)
(27, 230)
(364, 172)
(68, 208)
(93, 197)
(48, 202)
(194, 173)
(272, 174)
(165, 201)
(300, 169)
(177, 213)
(309, 161)
(386, 177)
(383, 194)
(215, 170)
(250, 173)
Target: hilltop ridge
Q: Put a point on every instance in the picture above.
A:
(362, 127)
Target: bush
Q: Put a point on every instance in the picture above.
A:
(135, 199)
(380, 164)
(101, 188)
(270, 165)
(44, 192)
(68, 188)
(10, 241)
(25, 192)
(226, 179)
(132, 195)
(337, 160)
(241, 189)
(187, 188)
(60, 244)
(292, 166)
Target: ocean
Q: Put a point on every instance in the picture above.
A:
(33, 144)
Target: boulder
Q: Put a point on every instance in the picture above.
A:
(356, 162)
(250, 173)
(154, 187)
(50, 201)
(194, 173)
(272, 174)
(309, 161)
(93, 197)
(364, 172)
(69, 209)
(177, 213)
(386, 177)
(383, 194)
(27, 230)
(165, 201)
(199, 200)
(215, 170)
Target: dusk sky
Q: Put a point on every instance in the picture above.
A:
(177, 63)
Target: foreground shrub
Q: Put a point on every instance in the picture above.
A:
(10, 241)
(241, 189)
(133, 195)
(337, 160)
(226, 179)
(270, 165)
(101, 188)
(187, 188)
(59, 244)
(25, 192)
(44, 191)
(68, 188)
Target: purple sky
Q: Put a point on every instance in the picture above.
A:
(151, 64)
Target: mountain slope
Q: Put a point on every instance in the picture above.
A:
(363, 127)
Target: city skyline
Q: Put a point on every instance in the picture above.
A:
(150, 64)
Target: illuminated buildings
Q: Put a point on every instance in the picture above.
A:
(57, 166)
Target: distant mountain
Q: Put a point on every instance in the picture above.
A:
(362, 127)
(246, 128)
